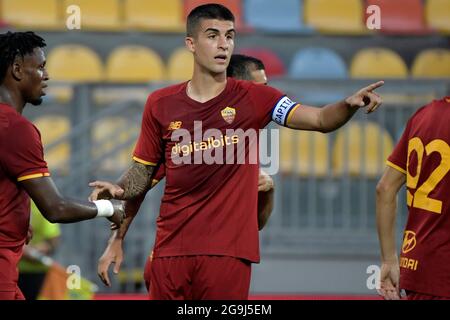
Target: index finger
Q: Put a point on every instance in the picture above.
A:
(374, 86)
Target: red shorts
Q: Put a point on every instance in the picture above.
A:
(9, 274)
(412, 295)
(197, 278)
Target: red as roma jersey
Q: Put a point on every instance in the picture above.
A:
(21, 158)
(423, 154)
(210, 152)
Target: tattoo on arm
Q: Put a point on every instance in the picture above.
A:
(136, 181)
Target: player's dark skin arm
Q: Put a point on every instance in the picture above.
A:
(58, 209)
(335, 115)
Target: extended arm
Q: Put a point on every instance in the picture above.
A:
(335, 115)
(56, 208)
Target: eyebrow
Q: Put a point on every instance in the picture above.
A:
(218, 31)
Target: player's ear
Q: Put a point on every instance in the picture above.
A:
(17, 70)
(189, 41)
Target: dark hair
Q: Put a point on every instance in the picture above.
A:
(207, 11)
(240, 64)
(13, 44)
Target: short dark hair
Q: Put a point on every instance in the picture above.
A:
(13, 44)
(240, 64)
(206, 11)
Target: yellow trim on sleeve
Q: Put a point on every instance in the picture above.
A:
(33, 176)
(291, 113)
(144, 162)
(396, 167)
(154, 182)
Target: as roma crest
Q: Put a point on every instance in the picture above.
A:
(228, 114)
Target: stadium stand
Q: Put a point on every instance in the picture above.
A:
(98, 15)
(52, 128)
(154, 15)
(274, 16)
(180, 65)
(437, 14)
(308, 157)
(361, 149)
(134, 64)
(401, 16)
(317, 63)
(74, 63)
(36, 15)
(376, 63)
(335, 16)
(432, 63)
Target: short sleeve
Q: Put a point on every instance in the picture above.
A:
(159, 175)
(149, 147)
(271, 104)
(399, 157)
(24, 158)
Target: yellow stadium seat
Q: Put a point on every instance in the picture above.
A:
(181, 65)
(74, 63)
(31, 14)
(437, 14)
(134, 64)
(52, 128)
(163, 15)
(109, 133)
(295, 152)
(376, 63)
(361, 149)
(335, 16)
(98, 14)
(432, 63)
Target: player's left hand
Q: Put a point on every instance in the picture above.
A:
(366, 97)
(265, 182)
(389, 281)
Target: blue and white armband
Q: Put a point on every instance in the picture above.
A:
(283, 109)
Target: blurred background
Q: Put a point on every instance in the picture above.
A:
(321, 237)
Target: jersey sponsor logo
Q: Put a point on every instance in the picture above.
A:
(282, 109)
(228, 114)
(175, 125)
(409, 241)
(409, 263)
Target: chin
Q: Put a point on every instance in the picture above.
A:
(36, 102)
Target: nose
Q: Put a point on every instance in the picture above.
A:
(45, 75)
(223, 43)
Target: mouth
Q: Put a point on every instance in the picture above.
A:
(43, 88)
(221, 58)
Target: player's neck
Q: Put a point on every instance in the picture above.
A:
(10, 97)
(205, 86)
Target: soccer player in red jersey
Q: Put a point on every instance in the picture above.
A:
(240, 67)
(421, 159)
(207, 229)
(23, 170)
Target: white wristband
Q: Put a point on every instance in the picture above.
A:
(104, 208)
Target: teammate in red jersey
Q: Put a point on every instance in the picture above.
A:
(422, 160)
(23, 170)
(240, 67)
(207, 229)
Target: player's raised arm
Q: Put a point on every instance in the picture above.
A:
(335, 115)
